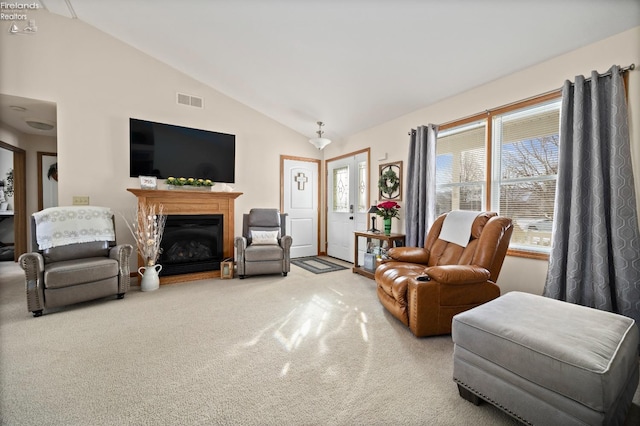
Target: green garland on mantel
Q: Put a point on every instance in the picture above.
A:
(389, 182)
(182, 181)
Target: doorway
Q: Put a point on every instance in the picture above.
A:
(300, 199)
(347, 202)
(18, 205)
(31, 124)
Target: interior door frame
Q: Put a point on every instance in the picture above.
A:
(306, 160)
(326, 186)
(19, 199)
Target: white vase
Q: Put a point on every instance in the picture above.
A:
(150, 280)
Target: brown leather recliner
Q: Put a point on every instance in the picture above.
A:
(456, 278)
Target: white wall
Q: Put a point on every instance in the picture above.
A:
(98, 83)
(391, 137)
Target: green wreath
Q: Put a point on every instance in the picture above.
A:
(389, 182)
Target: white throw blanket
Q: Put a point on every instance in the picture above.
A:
(60, 226)
(457, 227)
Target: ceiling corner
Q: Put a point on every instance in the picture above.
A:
(59, 7)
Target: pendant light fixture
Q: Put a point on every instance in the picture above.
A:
(320, 142)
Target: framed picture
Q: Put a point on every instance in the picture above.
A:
(148, 182)
(390, 181)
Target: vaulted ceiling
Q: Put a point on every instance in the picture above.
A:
(350, 63)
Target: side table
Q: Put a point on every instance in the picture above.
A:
(390, 239)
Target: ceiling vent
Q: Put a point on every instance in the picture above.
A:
(189, 100)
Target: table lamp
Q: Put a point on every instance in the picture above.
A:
(373, 209)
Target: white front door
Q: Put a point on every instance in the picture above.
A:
(300, 200)
(347, 189)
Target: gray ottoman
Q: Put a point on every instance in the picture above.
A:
(547, 362)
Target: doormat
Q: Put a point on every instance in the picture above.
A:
(316, 265)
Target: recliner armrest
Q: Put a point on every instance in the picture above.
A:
(240, 243)
(33, 266)
(286, 241)
(409, 254)
(458, 274)
(241, 246)
(121, 253)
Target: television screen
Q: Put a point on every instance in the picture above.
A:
(164, 150)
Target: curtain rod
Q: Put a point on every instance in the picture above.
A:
(608, 73)
(622, 71)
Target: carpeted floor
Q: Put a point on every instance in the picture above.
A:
(318, 265)
(304, 349)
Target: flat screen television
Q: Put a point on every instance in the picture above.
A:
(164, 150)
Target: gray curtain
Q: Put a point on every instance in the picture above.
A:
(421, 184)
(595, 255)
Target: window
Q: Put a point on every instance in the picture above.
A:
(461, 169)
(506, 161)
(526, 148)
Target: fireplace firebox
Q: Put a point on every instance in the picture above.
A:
(191, 243)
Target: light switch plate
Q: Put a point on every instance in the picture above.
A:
(80, 200)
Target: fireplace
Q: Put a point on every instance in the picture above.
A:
(191, 243)
(195, 203)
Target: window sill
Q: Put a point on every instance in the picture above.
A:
(528, 254)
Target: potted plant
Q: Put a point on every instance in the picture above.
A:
(388, 210)
(3, 201)
(53, 172)
(8, 190)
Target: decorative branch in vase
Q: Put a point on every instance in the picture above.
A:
(147, 228)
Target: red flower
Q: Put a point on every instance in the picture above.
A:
(388, 205)
(388, 209)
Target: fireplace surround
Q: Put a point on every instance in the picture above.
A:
(195, 203)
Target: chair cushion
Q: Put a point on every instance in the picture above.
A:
(581, 353)
(262, 253)
(79, 271)
(76, 251)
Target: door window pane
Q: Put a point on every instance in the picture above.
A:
(341, 189)
(363, 188)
